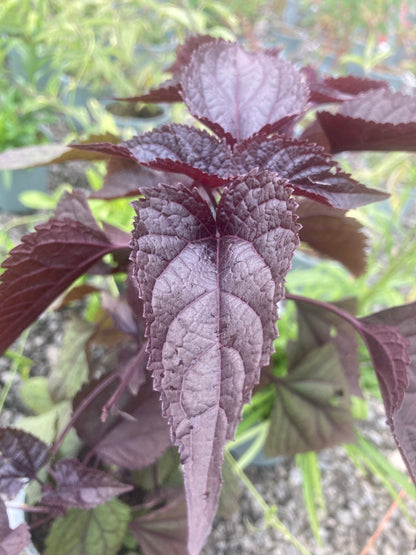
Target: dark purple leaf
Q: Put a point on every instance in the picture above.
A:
(338, 89)
(46, 262)
(238, 94)
(403, 420)
(164, 530)
(12, 542)
(134, 440)
(311, 171)
(79, 486)
(125, 177)
(168, 91)
(331, 233)
(316, 327)
(21, 456)
(388, 350)
(210, 289)
(185, 51)
(311, 410)
(183, 149)
(377, 120)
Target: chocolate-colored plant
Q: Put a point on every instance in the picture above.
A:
(219, 216)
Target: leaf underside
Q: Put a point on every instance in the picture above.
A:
(12, 542)
(210, 289)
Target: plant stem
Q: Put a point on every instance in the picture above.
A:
(269, 512)
(84, 404)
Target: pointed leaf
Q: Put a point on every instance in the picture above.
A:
(164, 530)
(46, 262)
(315, 329)
(89, 532)
(311, 410)
(12, 542)
(21, 456)
(185, 51)
(238, 94)
(168, 91)
(210, 290)
(310, 170)
(331, 233)
(402, 422)
(79, 486)
(183, 149)
(377, 120)
(338, 89)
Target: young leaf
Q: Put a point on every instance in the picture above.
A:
(210, 289)
(21, 456)
(89, 532)
(402, 421)
(331, 233)
(46, 262)
(312, 409)
(12, 542)
(164, 530)
(238, 94)
(79, 486)
(377, 120)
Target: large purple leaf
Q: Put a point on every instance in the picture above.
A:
(210, 289)
(79, 486)
(21, 456)
(238, 94)
(185, 51)
(403, 420)
(312, 406)
(376, 120)
(310, 170)
(331, 233)
(12, 542)
(48, 261)
(164, 530)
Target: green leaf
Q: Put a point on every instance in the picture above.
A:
(48, 425)
(89, 532)
(71, 369)
(35, 394)
(312, 406)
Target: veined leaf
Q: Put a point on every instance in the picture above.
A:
(210, 289)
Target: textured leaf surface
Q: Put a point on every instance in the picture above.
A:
(312, 409)
(12, 542)
(402, 422)
(377, 120)
(331, 233)
(46, 262)
(318, 327)
(79, 486)
(21, 456)
(89, 532)
(183, 149)
(237, 93)
(311, 171)
(164, 530)
(210, 290)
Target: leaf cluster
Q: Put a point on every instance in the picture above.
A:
(219, 215)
